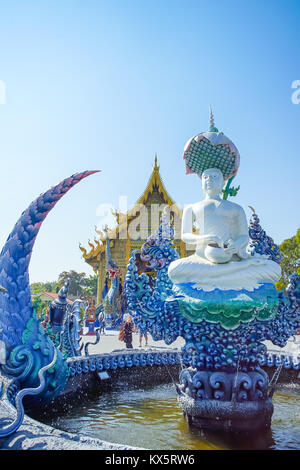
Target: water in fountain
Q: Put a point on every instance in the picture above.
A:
(151, 418)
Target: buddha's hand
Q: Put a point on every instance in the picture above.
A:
(231, 246)
(214, 240)
(237, 247)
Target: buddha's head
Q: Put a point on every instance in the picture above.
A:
(212, 181)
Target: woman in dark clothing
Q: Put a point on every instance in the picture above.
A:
(128, 329)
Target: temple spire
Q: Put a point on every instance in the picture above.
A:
(156, 167)
(212, 127)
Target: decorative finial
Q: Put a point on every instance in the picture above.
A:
(212, 127)
(105, 230)
(62, 293)
(156, 167)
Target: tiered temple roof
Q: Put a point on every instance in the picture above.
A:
(121, 247)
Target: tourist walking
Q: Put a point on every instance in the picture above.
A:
(143, 333)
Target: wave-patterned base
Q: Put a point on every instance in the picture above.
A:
(229, 308)
(226, 401)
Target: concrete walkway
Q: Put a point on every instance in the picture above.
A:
(110, 342)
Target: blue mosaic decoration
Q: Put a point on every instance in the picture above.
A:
(25, 392)
(113, 300)
(260, 242)
(120, 360)
(211, 344)
(149, 357)
(70, 339)
(28, 348)
(203, 155)
(212, 149)
(144, 302)
(221, 386)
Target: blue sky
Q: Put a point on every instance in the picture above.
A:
(106, 84)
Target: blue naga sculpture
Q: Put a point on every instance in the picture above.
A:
(221, 355)
(65, 323)
(70, 339)
(221, 300)
(111, 308)
(114, 273)
(146, 297)
(34, 364)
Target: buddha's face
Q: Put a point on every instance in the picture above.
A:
(212, 181)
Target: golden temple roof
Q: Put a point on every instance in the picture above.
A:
(155, 183)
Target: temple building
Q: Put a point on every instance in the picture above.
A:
(132, 229)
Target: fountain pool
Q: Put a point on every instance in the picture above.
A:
(151, 418)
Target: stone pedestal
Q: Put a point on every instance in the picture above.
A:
(226, 401)
(227, 416)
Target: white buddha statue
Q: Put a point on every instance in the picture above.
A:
(221, 260)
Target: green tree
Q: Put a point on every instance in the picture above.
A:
(39, 287)
(90, 289)
(51, 286)
(77, 282)
(80, 284)
(290, 252)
